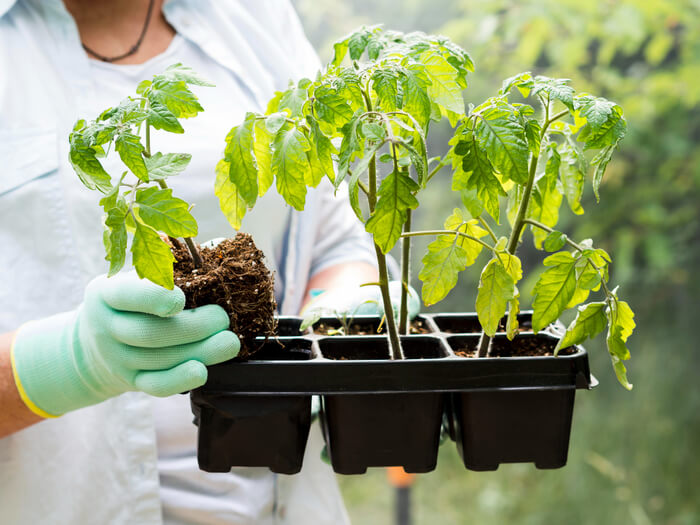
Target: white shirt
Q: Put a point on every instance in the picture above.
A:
(100, 464)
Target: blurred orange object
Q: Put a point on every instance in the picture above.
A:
(399, 478)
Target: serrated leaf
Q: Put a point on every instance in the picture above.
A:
(556, 88)
(605, 125)
(357, 43)
(331, 107)
(512, 324)
(179, 73)
(472, 202)
(262, 149)
(544, 207)
(459, 222)
(115, 239)
(130, 151)
(152, 257)
(160, 117)
(239, 154)
(442, 263)
(620, 326)
(572, 179)
(176, 97)
(475, 172)
(385, 83)
(522, 81)
(324, 148)
(555, 241)
(293, 99)
(230, 201)
(414, 86)
(496, 289)
(290, 164)
(554, 289)
(600, 162)
(396, 197)
(589, 322)
(350, 148)
(161, 166)
(87, 166)
(159, 209)
(443, 88)
(501, 134)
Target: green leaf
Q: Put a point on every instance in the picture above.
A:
(262, 148)
(511, 264)
(472, 202)
(544, 207)
(324, 148)
(414, 85)
(600, 162)
(160, 117)
(87, 166)
(572, 179)
(161, 166)
(239, 154)
(290, 164)
(555, 241)
(332, 107)
(443, 89)
(475, 172)
(350, 147)
(620, 326)
(501, 134)
(396, 197)
(293, 99)
(512, 324)
(373, 131)
(523, 81)
(385, 83)
(230, 201)
(175, 96)
(179, 73)
(458, 221)
(496, 289)
(115, 238)
(130, 151)
(554, 289)
(152, 257)
(605, 125)
(555, 88)
(442, 263)
(589, 322)
(357, 43)
(159, 209)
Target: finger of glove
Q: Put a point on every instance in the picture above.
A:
(149, 331)
(128, 293)
(220, 347)
(186, 376)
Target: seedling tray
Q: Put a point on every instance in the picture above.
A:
(379, 412)
(318, 364)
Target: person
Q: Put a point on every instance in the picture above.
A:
(86, 348)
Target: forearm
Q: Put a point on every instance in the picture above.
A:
(342, 275)
(14, 414)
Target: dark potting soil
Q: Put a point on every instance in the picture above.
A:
(518, 347)
(417, 326)
(234, 276)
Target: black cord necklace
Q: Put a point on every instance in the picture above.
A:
(133, 49)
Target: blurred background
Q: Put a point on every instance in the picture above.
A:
(634, 456)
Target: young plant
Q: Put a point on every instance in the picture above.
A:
(340, 125)
(502, 149)
(141, 204)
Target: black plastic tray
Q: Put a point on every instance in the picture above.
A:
(309, 364)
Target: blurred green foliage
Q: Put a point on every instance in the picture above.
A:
(633, 457)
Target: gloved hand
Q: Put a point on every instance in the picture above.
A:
(360, 300)
(127, 335)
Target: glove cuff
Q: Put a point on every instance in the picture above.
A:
(43, 367)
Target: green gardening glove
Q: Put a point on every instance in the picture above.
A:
(127, 335)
